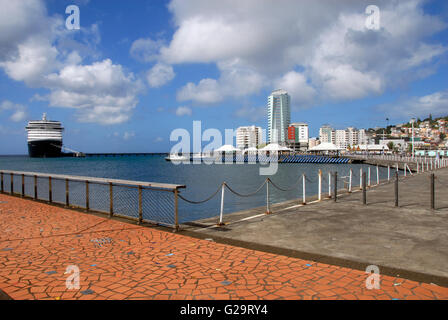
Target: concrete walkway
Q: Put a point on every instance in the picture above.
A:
(411, 239)
(118, 260)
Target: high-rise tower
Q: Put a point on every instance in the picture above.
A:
(279, 116)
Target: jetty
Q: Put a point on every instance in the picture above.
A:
(416, 163)
(398, 225)
(124, 154)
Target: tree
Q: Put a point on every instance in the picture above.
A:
(442, 136)
(391, 145)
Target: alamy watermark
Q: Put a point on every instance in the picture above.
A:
(187, 144)
(73, 281)
(73, 21)
(373, 18)
(373, 280)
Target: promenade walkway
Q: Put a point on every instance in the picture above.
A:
(119, 260)
(410, 239)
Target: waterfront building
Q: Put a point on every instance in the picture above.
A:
(298, 135)
(248, 137)
(279, 116)
(327, 134)
(312, 142)
(343, 138)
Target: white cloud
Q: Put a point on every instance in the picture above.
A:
(159, 75)
(435, 104)
(101, 92)
(34, 59)
(18, 111)
(38, 50)
(236, 80)
(158, 139)
(250, 113)
(327, 40)
(145, 50)
(296, 84)
(20, 20)
(183, 111)
(206, 91)
(128, 135)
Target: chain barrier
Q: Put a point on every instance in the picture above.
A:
(202, 201)
(246, 195)
(287, 189)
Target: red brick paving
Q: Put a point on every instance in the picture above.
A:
(39, 241)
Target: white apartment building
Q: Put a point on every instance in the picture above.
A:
(327, 134)
(312, 142)
(248, 137)
(343, 138)
(279, 116)
(362, 137)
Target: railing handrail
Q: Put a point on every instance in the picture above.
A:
(167, 186)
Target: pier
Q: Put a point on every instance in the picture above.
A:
(398, 225)
(415, 164)
(117, 260)
(125, 154)
(307, 248)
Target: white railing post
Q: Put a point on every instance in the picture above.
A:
(268, 211)
(222, 205)
(360, 179)
(304, 189)
(388, 172)
(350, 181)
(329, 184)
(369, 176)
(377, 175)
(320, 185)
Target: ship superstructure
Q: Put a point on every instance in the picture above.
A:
(44, 138)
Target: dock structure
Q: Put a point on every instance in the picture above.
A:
(119, 260)
(398, 225)
(415, 164)
(281, 159)
(124, 154)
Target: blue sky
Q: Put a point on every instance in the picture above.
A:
(136, 70)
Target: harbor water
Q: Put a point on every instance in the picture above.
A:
(201, 180)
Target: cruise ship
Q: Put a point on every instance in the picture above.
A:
(44, 138)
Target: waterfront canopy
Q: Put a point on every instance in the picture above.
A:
(227, 148)
(326, 146)
(250, 150)
(275, 147)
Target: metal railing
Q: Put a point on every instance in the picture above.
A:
(367, 179)
(398, 158)
(140, 201)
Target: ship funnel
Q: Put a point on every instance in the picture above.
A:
(44, 116)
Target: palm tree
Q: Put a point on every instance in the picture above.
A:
(391, 145)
